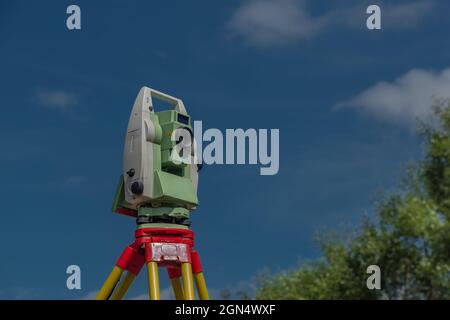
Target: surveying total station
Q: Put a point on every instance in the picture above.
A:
(159, 191)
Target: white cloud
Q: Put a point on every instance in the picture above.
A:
(267, 22)
(56, 99)
(276, 22)
(19, 293)
(406, 99)
(406, 15)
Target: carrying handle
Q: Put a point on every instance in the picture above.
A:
(177, 104)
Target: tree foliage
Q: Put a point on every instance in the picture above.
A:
(409, 239)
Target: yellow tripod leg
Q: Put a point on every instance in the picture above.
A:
(123, 286)
(153, 281)
(188, 285)
(109, 284)
(177, 288)
(201, 286)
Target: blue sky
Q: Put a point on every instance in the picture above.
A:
(344, 98)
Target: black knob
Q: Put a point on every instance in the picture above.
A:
(137, 187)
(131, 173)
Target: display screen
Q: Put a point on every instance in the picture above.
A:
(183, 119)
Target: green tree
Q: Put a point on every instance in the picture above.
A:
(409, 239)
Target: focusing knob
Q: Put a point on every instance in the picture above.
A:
(131, 173)
(137, 187)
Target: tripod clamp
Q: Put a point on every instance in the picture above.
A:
(159, 247)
